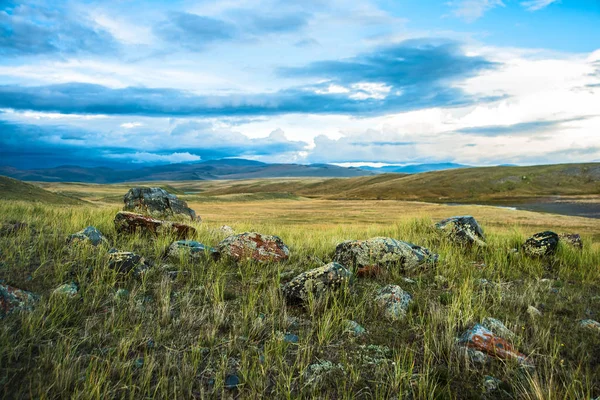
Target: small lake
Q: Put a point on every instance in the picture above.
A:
(575, 209)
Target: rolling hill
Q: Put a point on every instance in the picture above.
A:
(482, 184)
(12, 189)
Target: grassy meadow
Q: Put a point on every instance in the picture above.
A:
(206, 329)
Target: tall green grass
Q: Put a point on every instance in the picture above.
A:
(183, 337)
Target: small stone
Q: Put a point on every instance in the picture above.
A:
(125, 261)
(122, 295)
(572, 239)
(394, 301)
(354, 328)
(139, 363)
(232, 381)
(226, 229)
(590, 324)
(189, 248)
(316, 282)
(13, 300)
(463, 230)
(89, 235)
(491, 384)
(291, 338)
(484, 340)
(533, 312)
(67, 290)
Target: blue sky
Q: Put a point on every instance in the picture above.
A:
(134, 83)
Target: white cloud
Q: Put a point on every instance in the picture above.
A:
(130, 125)
(534, 5)
(471, 10)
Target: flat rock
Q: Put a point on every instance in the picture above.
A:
(157, 203)
(462, 230)
(189, 248)
(67, 290)
(541, 244)
(128, 222)
(126, 261)
(368, 256)
(254, 246)
(13, 299)
(482, 339)
(393, 301)
(89, 235)
(316, 282)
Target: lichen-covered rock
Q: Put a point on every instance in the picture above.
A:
(463, 230)
(189, 248)
(89, 235)
(355, 328)
(573, 239)
(590, 324)
(482, 339)
(254, 246)
(541, 244)
(13, 299)
(393, 301)
(368, 256)
(158, 203)
(126, 261)
(67, 290)
(128, 222)
(316, 282)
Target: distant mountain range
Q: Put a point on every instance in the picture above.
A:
(209, 170)
(414, 169)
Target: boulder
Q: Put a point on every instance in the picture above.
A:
(482, 339)
(89, 235)
(316, 282)
(393, 301)
(157, 203)
(126, 261)
(189, 248)
(13, 299)
(572, 239)
(128, 222)
(368, 256)
(541, 244)
(254, 246)
(462, 230)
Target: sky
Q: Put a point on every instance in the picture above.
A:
(129, 83)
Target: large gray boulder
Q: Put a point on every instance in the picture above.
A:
(157, 203)
(462, 230)
(541, 244)
(368, 256)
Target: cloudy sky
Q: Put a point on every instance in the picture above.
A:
(131, 83)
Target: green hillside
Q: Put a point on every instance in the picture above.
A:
(493, 184)
(12, 189)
